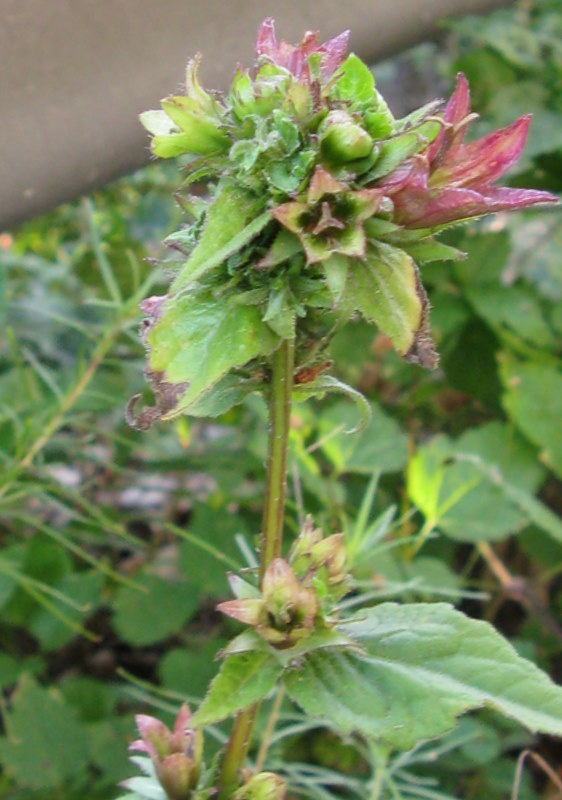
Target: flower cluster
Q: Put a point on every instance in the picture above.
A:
(321, 206)
(297, 595)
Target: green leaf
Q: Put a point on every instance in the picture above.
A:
(451, 483)
(533, 399)
(382, 445)
(234, 218)
(336, 269)
(354, 83)
(243, 679)
(431, 250)
(386, 289)
(326, 384)
(199, 339)
(190, 670)
(424, 665)
(230, 391)
(396, 150)
(47, 747)
(84, 590)
(143, 618)
(280, 314)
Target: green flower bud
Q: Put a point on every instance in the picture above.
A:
(342, 139)
(263, 786)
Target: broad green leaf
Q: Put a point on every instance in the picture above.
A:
(424, 665)
(380, 446)
(385, 287)
(199, 339)
(47, 747)
(533, 399)
(234, 218)
(110, 738)
(190, 670)
(354, 83)
(143, 618)
(513, 310)
(210, 548)
(243, 679)
(464, 487)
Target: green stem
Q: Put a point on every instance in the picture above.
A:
(271, 536)
(276, 477)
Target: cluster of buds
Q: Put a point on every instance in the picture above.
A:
(296, 595)
(322, 205)
(176, 755)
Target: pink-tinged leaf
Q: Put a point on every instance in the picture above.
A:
(321, 184)
(480, 163)
(447, 205)
(294, 58)
(183, 720)
(248, 611)
(455, 112)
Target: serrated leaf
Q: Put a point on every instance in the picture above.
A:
(426, 664)
(385, 287)
(431, 250)
(47, 746)
(199, 339)
(234, 218)
(243, 679)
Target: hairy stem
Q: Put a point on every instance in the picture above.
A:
(271, 535)
(276, 478)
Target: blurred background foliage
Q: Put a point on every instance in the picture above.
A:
(114, 544)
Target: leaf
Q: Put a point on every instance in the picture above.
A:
(197, 340)
(47, 746)
(426, 664)
(431, 250)
(462, 487)
(396, 150)
(230, 391)
(243, 679)
(326, 384)
(84, 589)
(381, 445)
(234, 218)
(386, 289)
(143, 618)
(335, 269)
(354, 83)
(533, 399)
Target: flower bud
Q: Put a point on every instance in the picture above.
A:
(176, 755)
(263, 786)
(342, 139)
